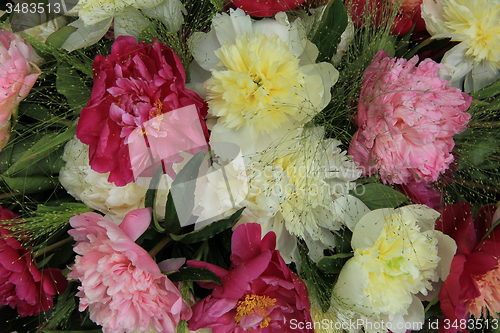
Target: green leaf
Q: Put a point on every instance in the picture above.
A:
(27, 185)
(333, 264)
(57, 38)
(35, 111)
(171, 218)
(489, 91)
(330, 30)
(377, 196)
(209, 231)
(150, 200)
(343, 241)
(41, 149)
(183, 187)
(70, 84)
(44, 261)
(194, 274)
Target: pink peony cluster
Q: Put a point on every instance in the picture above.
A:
(407, 117)
(134, 86)
(22, 285)
(18, 74)
(121, 284)
(259, 292)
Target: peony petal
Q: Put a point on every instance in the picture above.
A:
(136, 222)
(170, 265)
(367, 230)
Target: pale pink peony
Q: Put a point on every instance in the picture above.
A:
(407, 117)
(121, 284)
(18, 74)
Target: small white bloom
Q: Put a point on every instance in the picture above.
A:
(94, 190)
(475, 62)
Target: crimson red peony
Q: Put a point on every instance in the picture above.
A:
(133, 86)
(22, 286)
(407, 17)
(266, 8)
(259, 292)
(472, 287)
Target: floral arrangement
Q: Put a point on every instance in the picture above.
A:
(227, 166)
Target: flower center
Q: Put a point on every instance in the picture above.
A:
(255, 304)
(259, 85)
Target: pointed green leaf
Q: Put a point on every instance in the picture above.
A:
(333, 264)
(27, 185)
(377, 196)
(57, 38)
(182, 189)
(209, 231)
(330, 30)
(194, 274)
(41, 149)
(70, 84)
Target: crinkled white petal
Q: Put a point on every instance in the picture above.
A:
(94, 190)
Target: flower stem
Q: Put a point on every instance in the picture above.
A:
(154, 251)
(491, 124)
(52, 247)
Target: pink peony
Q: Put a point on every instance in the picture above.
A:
(22, 286)
(134, 86)
(407, 117)
(18, 74)
(121, 284)
(258, 292)
(472, 287)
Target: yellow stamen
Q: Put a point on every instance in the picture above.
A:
(254, 304)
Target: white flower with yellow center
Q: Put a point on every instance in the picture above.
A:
(397, 254)
(299, 189)
(260, 78)
(475, 62)
(94, 190)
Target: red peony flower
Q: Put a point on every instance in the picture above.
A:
(473, 285)
(407, 16)
(133, 88)
(266, 8)
(22, 286)
(258, 292)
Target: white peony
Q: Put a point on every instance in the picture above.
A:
(94, 190)
(397, 255)
(475, 62)
(260, 78)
